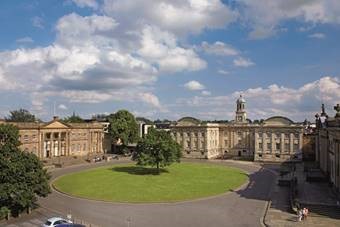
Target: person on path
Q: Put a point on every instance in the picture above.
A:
(300, 214)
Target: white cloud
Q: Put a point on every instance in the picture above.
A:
(219, 48)
(265, 16)
(224, 72)
(152, 100)
(206, 93)
(62, 107)
(86, 3)
(162, 48)
(38, 22)
(296, 103)
(243, 62)
(317, 36)
(25, 39)
(194, 85)
(179, 17)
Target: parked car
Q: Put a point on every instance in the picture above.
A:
(70, 225)
(55, 221)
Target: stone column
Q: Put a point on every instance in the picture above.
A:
(264, 141)
(282, 142)
(59, 144)
(272, 141)
(51, 145)
(68, 144)
(300, 141)
(291, 142)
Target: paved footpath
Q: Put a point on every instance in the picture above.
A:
(279, 214)
(244, 207)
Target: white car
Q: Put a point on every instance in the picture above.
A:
(56, 221)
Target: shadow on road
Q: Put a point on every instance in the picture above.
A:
(138, 170)
(260, 183)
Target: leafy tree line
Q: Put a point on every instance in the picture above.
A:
(21, 115)
(157, 149)
(22, 177)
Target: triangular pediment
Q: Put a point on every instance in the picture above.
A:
(55, 124)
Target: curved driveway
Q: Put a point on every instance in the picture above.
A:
(243, 207)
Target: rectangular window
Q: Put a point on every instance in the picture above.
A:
(269, 146)
(286, 146)
(296, 147)
(188, 143)
(278, 146)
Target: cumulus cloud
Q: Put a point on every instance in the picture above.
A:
(243, 62)
(25, 39)
(178, 17)
(162, 48)
(295, 103)
(86, 3)
(265, 16)
(219, 48)
(83, 65)
(222, 71)
(62, 107)
(206, 93)
(194, 85)
(38, 22)
(317, 36)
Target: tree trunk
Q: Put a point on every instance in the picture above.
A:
(158, 167)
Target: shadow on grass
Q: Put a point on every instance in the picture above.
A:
(138, 170)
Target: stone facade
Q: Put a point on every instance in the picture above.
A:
(276, 139)
(327, 146)
(55, 138)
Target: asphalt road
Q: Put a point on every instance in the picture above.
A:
(243, 207)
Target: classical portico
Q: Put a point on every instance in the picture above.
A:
(55, 138)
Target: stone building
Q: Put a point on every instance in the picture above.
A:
(54, 138)
(327, 145)
(276, 139)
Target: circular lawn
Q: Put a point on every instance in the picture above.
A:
(130, 183)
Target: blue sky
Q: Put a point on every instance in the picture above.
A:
(170, 59)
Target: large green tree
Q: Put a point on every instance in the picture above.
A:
(22, 177)
(158, 149)
(123, 129)
(21, 115)
(73, 119)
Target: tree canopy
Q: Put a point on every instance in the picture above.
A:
(143, 119)
(21, 115)
(158, 149)
(73, 119)
(22, 175)
(123, 128)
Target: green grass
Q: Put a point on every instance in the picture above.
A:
(128, 183)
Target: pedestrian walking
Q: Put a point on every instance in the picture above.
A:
(304, 213)
(300, 214)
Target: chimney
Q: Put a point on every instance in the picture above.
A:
(55, 118)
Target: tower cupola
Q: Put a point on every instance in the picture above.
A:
(241, 115)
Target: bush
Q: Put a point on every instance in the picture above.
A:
(4, 212)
